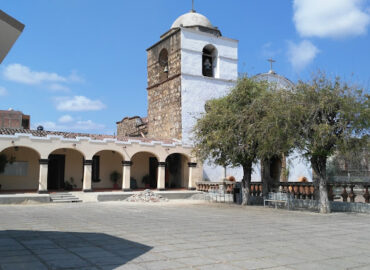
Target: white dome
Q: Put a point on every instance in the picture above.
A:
(191, 19)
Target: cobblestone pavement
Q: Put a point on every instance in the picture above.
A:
(119, 235)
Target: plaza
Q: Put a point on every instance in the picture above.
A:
(181, 234)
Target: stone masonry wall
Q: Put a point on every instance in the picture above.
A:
(132, 127)
(164, 92)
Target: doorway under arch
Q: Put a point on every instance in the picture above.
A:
(144, 171)
(65, 169)
(177, 172)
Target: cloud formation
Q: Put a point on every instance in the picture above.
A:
(65, 119)
(51, 80)
(302, 54)
(331, 18)
(73, 126)
(78, 103)
(3, 91)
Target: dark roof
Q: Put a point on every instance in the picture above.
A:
(72, 135)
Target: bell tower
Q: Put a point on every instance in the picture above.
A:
(190, 64)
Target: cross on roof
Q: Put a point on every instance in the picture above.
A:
(192, 6)
(271, 62)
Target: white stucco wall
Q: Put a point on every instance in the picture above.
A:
(196, 89)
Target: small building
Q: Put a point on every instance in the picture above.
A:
(14, 119)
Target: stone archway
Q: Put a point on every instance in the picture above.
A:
(22, 169)
(106, 166)
(144, 171)
(65, 169)
(177, 171)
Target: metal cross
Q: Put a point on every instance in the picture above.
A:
(271, 62)
(192, 7)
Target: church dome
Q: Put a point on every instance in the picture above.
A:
(192, 19)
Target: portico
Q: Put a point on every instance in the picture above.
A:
(50, 161)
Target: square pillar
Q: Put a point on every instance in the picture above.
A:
(87, 176)
(161, 175)
(126, 178)
(191, 184)
(43, 176)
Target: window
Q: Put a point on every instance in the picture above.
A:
(95, 168)
(17, 168)
(209, 61)
(163, 64)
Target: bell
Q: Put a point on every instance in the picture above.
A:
(165, 69)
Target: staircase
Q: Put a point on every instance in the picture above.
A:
(64, 197)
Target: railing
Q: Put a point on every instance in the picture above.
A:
(207, 186)
(337, 191)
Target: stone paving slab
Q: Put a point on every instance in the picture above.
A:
(179, 235)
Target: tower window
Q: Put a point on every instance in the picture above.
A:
(163, 64)
(209, 61)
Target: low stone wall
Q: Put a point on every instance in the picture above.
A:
(24, 199)
(313, 205)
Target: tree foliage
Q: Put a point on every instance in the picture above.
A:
(227, 134)
(331, 113)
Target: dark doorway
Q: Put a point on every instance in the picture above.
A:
(56, 172)
(153, 170)
(173, 171)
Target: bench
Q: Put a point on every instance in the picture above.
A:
(276, 197)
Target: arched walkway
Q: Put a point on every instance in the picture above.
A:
(107, 170)
(22, 169)
(144, 171)
(177, 171)
(65, 169)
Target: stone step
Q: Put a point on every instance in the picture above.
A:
(64, 197)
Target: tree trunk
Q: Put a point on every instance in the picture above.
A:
(319, 167)
(247, 176)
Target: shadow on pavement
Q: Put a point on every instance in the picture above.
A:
(60, 250)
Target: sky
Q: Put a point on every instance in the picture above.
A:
(80, 65)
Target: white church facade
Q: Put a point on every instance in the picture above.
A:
(190, 64)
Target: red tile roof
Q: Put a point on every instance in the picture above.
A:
(72, 135)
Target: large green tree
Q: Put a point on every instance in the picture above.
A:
(331, 113)
(227, 135)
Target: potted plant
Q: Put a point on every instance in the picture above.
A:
(146, 181)
(114, 177)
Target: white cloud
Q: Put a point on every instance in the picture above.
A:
(50, 80)
(302, 54)
(65, 119)
(3, 91)
(74, 126)
(331, 18)
(78, 103)
(23, 74)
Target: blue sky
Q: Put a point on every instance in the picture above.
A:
(81, 65)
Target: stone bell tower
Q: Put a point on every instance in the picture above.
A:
(190, 64)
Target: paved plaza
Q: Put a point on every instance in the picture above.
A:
(182, 235)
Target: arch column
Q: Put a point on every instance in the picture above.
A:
(87, 175)
(191, 184)
(126, 175)
(161, 175)
(43, 175)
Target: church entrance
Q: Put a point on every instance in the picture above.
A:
(56, 172)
